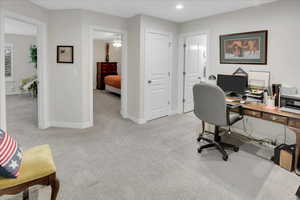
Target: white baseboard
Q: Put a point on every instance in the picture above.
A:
(143, 121)
(173, 112)
(17, 93)
(77, 125)
(124, 114)
(13, 93)
(136, 120)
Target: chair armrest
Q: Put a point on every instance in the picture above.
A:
(232, 107)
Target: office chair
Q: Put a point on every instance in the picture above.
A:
(210, 106)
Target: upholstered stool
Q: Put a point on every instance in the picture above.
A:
(37, 168)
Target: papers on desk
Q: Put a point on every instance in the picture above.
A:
(259, 79)
(232, 100)
(229, 100)
(249, 99)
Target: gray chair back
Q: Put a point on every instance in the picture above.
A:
(210, 104)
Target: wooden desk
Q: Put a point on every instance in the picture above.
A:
(291, 120)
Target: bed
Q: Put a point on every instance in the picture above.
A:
(113, 83)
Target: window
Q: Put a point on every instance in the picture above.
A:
(8, 54)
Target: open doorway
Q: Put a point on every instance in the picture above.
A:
(21, 78)
(13, 26)
(107, 73)
(194, 66)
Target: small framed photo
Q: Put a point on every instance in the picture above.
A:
(65, 54)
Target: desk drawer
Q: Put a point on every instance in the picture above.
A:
(295, 123)
(252, 113)
(275, 118)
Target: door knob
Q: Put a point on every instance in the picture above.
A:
(149, 81)
(199, 78)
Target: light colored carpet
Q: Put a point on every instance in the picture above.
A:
(120, 160)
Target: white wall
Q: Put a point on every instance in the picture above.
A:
(22, 68)
(133, 72)
(115, 55)
(70, 103)
(18, 27)
(25, 8)
(281, 19)
(65, 87)
(68, 83)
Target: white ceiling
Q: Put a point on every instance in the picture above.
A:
(12, 26)
(165, 9)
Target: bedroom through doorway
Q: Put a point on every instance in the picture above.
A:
(107, 65)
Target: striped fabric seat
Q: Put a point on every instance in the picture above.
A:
(10, 156)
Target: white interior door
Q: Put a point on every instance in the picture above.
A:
(194, 61)
(158, 65)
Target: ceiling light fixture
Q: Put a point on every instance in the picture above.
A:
(117, 43)
(179, 6)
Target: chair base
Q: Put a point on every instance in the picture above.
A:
(217, 144)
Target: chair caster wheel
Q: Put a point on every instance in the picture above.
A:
(236, 149)
(199, 150)
(225, 158)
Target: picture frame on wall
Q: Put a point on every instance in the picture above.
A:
(65, 54)
(244, 48)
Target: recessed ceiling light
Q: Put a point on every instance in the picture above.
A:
(179, 6)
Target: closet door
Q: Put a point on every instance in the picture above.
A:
(195, 48)
(157, 74)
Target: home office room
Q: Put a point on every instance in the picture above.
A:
(251, 61)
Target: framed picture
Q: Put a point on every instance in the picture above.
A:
(244, 48)
(65, 54)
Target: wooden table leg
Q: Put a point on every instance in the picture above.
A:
(297, 154)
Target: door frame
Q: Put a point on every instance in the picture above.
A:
(181, 63)
(145, 88)
(124, 76)
(42, 45)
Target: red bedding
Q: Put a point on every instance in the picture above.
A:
(113, 81)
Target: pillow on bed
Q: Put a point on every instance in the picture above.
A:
(10, 156)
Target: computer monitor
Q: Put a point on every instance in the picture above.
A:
(232, 83)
